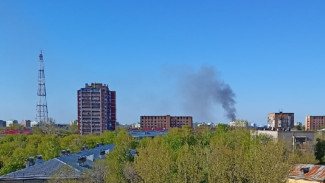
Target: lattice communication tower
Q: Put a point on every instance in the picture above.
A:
(41, 107)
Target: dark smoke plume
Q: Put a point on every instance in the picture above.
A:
(203, 90)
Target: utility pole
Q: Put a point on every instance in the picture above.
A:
(41, 107)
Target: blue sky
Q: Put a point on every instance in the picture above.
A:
(271, 53)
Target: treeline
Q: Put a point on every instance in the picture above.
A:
(227, 155)
(15, 149)
(183, 155)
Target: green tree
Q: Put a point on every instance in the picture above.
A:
(65, 174)
(302, 157)
(130, 174)
(73, 142)
(159, 158)
(222, 128)
(91, 140)
(32, 144)
(98, 173)
(48, 127)
(9, 157)
(116, 161)
(15, 127)
(73, 129)
(119, 157)
(175, 139)
(37, 130)
(49, 147)
(190, 164)
(108, 137)
(320, 150)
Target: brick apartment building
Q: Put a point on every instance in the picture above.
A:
(314, 122)
(280, 121)
(165, 122)
(96, 109)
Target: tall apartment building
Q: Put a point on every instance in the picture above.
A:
(314, 122)
(96, 109)
(280, 121)
(165, 122)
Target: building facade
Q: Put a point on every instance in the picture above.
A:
(96, 109)
(26, 123)
(302, 140)
(280, 121)
(165, 122)
(314, 122)
(33, 123)
(2, 124)
(11, 122)
(239, 123)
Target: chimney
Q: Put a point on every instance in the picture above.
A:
(63, 152)
(84, 148)
(102, 152)
(39, 159)
(81, 160)
(30, 162)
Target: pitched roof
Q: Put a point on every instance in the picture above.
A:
(45, 170)
(308, 172)
(91, 155)
(38, 172)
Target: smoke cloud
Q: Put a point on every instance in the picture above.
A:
(203, 90)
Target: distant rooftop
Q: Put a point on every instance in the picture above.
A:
(13, 132)
(143, 134)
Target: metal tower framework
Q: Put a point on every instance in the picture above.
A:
(41, 107)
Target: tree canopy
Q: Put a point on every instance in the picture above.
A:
(183, 155)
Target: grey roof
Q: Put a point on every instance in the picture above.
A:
(141, 134)
(46, 169)
(91, 154)
(40, 171)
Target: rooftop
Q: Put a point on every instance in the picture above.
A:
(45, 170)
(308, 172)
(13, 132)
(143, 134)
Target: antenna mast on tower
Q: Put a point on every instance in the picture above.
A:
(41, 107)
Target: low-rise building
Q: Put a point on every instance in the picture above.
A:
(239, 123)
(293, 139)
(26, 123)
(165, 122)
(11, 122)
(136, 125)
(205, 124)
(73, 122)
(138, 135)
(33, 123)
